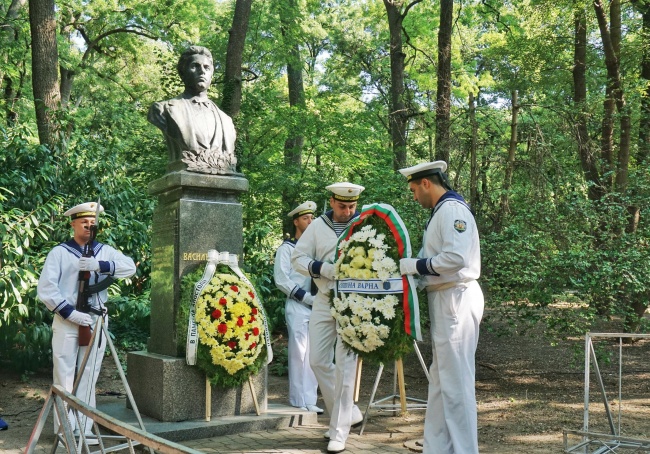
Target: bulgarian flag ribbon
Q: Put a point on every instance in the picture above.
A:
(398, 229)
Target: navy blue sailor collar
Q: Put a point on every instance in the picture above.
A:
(447, 196)
(328, 217)
(72, 246)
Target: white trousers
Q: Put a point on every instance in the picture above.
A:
(67, 357)
(302, 381)
(450, 425)
(336, 381)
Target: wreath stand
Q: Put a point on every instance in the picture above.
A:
(208, 398)
(398, 381)
(65, 434)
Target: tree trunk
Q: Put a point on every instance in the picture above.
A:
(473, 181)
(443, 103)
(289, 12)
(397, 116)
(504, 209)
(615, 97)
(8, 34)
(67, 77)
(644, 122)
(45, 69)
(231, 99)
(611, 46)
(587, 159)
(295, 140)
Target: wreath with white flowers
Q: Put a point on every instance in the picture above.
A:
(375, 307)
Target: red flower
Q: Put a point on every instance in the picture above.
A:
(232, 345)
(252, 295)
(246, 336)
(256, 331)
(222, 328)
(223, 301)
(254, 311)
(234, 288)
(253, 345)
(252, 319)
(216, 313)
(240, 321)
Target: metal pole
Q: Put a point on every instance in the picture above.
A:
(608, 411)
(372, 397)
(585, 420)
(620, 380)
(424, 366)
(127, 389)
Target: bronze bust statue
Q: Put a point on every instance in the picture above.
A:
(200, 136)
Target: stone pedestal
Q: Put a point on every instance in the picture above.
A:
(167, 389)
(195, 213)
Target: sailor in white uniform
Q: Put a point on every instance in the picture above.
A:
(58, 288)
(303, 386)
(333, 365)
(449, 264)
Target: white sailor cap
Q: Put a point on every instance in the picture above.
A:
(345, 192)
(83, 210)
(424, 170)
(308, 207)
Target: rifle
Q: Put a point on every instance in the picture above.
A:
(83, 295)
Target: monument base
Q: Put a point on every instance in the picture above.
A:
(167, 389)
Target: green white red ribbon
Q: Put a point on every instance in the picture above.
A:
(398, 229)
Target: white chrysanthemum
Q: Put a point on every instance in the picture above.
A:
(389, 264)
(360, 317)
(383, 274)
(375, 242)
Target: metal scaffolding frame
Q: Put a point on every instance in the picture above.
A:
(595, 442)
(62, 401)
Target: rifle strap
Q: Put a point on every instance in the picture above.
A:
(98, 287)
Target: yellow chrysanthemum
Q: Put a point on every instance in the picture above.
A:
(229, 322)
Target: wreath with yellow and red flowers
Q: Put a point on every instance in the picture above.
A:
(230, 330)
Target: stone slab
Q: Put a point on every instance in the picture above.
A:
(194, 183)
(167, 389)
(276, 417)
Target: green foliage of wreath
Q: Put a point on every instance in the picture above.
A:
(218, 376)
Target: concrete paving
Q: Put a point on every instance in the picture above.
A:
(281, 429)
(309, 438)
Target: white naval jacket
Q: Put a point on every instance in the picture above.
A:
(290, 282)
(58, 283)
(317, 245)
(451, 243)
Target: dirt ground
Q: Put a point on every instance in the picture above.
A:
(528, 392)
